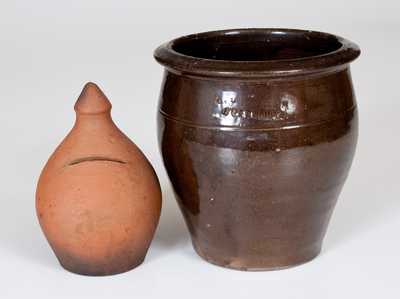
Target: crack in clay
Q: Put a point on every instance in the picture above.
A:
(94, 158)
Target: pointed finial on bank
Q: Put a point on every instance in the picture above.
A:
(92, 100)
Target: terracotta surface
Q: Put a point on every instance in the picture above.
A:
(98, 198)
(257, 129)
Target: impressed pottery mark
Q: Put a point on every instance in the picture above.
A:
(227, 106)
(257, 114)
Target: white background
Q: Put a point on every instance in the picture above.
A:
(49, 49)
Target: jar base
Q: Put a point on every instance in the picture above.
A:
(241, 266)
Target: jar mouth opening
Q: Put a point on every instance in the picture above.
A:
(257, 51)
(256, 45)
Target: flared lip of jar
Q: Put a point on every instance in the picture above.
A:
(176, 58)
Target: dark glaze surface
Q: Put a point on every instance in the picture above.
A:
(257, 164)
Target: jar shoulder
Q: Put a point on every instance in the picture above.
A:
(256, 104)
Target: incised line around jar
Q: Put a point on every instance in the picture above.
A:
(238, 128)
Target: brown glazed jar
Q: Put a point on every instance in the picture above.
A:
(257, 129)
(98, 199)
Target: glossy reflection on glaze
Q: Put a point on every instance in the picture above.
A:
(257, 162)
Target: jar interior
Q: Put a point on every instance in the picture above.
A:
(256, 45)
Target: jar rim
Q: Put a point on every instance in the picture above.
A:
(256, 52)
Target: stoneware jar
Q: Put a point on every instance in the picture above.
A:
(257, 129)
(98, 198)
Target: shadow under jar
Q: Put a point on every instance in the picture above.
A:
(257, 129)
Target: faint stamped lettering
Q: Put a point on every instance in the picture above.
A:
(227, 106)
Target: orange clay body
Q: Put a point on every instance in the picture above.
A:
(98, 198)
